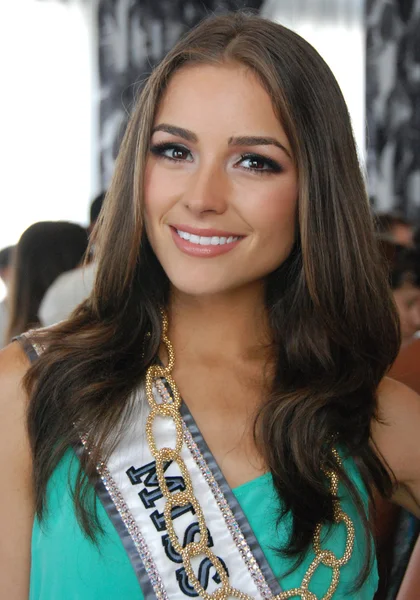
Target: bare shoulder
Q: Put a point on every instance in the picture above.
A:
(393, 395)
(16, 503)
(396, 434)
(14, 445)
(13, 362)
(13, 367)
(398, 416)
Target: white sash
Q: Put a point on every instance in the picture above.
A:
(129, 491)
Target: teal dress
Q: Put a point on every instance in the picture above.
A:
(66, 565)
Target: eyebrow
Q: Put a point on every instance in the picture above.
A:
(257, 141)
(189, 136)
(186, 134)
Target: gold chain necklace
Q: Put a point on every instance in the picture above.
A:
(194, 549)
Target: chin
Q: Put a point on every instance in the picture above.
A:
(190, 287)
(200, 284)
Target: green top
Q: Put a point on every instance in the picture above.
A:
(68, 566)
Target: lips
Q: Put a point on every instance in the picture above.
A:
(204, 242)
(207, 232)
(214, 240)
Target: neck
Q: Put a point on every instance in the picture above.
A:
(232, 325)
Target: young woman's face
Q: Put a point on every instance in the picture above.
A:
(221, 184)
(407, 299)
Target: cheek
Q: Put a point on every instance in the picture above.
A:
(159, 194)
(274, 215)
(153, 196)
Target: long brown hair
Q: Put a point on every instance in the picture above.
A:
(332, 316)
(45, 250)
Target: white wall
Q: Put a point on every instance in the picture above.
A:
(336, 28)
(46, 110)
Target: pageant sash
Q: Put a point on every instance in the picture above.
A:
(128, 489)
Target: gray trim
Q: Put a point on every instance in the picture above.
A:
(106, 501)
(27, 347)
(234, 505)
(118, 523)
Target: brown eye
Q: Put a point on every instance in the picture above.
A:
(179, 154)
(172, 152)
(256, 163)
(259, 164)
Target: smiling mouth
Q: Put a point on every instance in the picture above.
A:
(202, 240)
(204, 243)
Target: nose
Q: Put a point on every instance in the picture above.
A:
(207, 191)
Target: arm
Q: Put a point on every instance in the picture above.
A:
(16, 501)
(410, 586)
(397, 437)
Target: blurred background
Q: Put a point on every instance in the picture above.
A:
(71, 70)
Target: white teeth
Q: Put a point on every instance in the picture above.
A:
(206, 241)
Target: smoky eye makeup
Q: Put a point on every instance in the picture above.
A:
(251, 162)
(172, 151)
(259, 163)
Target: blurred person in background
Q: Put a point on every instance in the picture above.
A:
(405, 283)
(45, 250)
(236, 266)
(404, 264)
(396, 530)
(72, 287)
(394, 228)
(6, 257)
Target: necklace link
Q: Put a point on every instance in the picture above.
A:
(170, 408)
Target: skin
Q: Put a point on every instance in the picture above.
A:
(403, 234)
(5, 275)
(217, 320)
(211, 185)
(407, 299)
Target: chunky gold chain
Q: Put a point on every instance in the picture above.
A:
(194, 549)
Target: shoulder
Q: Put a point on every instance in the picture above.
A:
(13, 399)
(406, 368)
(17, 505)
(396, 433)
(398, 416)
(14, 364)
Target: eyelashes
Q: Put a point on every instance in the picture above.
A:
(250, 161)
(165, 149)
(260, 164)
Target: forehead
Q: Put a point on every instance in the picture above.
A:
(228, 96)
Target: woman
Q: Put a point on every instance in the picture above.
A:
(405, 283)
(45, 250)
(398, 529)
(237, 267)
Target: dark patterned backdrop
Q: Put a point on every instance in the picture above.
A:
(134, 35)
(393, 104)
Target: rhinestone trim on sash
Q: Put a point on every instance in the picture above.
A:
(235, 531)
(131, 525)
(171, 410)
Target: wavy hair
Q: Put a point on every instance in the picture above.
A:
(333, 321)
